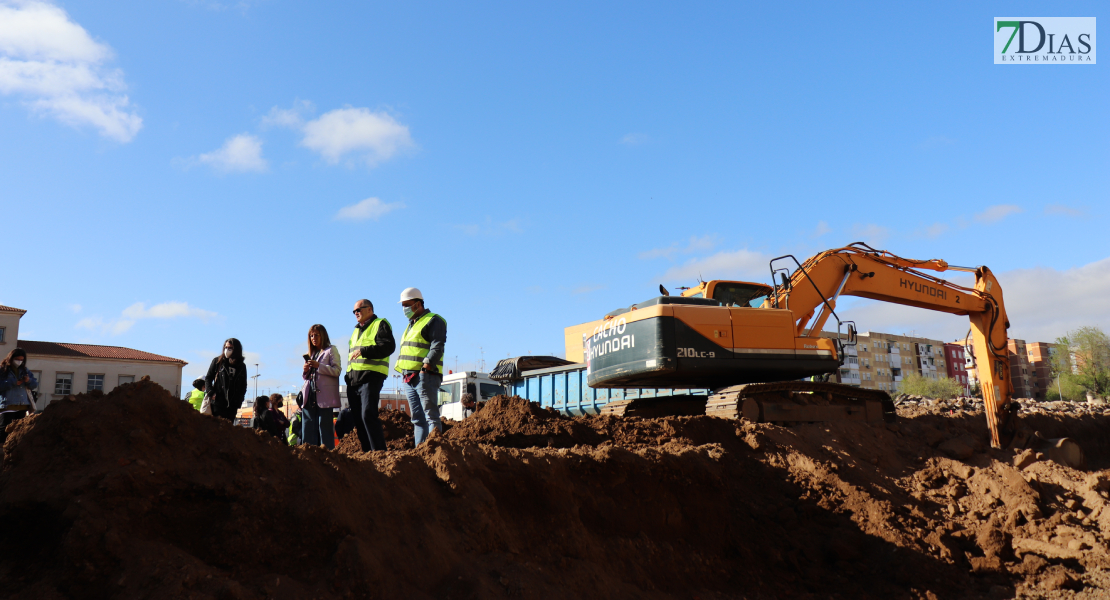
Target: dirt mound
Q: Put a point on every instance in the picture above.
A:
(513, 422)
(396, 426)
(134, 494)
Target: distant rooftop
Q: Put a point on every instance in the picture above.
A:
(91, 351)
(10, 309)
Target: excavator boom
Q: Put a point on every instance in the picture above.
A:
(858, 270)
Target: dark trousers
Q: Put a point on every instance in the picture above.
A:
(15, 415)
(363, 399)
(224, 412)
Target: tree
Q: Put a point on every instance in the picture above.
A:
(1083, 359)
(943, 387)
(1067, 386)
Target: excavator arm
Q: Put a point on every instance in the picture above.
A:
(858, 270)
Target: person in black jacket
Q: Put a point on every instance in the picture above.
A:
(266, 419)
(227, 380)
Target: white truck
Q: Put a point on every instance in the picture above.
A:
(480, 387)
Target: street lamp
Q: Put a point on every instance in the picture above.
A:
(255, 378)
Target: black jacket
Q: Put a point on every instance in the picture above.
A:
(384, 345)
(228, 382)
(268, 423)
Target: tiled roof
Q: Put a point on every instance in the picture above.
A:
(10, 309)
(91, 351)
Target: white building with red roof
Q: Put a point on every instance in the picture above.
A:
(63, 368)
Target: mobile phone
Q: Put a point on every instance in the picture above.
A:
(307, 358)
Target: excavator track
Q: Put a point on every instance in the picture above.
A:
(666, 406)
(791, 402)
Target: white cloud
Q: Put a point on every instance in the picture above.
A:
(139, 311)
(373, 136)
(75, 308)
(167, 310)
(634, 139)
(586, 289)
(935, 230)
(489, 228)
(703, 243)
(292, 118)
(1067, 211)
(114, 326)
(739, 264)
(996, 213)
(871, 234)
(370, 208)
(58, 69)
(1034, 300)
(821, 229)
(242, 152)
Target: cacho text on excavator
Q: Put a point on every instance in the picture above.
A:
(754, 345)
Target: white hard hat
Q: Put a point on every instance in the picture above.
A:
(411, 294)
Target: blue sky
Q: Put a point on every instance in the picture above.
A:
(175, 173)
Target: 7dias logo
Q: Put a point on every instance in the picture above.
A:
(1044, 40)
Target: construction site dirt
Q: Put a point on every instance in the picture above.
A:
(135, 495)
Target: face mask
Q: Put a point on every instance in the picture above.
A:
(227, 353)
(409, 312)
(17, 363)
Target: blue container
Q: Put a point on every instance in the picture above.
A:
(565, 390)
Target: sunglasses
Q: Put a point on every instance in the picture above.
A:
(359, 309)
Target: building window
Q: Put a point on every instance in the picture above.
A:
(1, 335)
(96, 383)
(126, 379)
(63, 383)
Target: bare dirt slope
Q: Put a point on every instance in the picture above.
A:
(134, 494)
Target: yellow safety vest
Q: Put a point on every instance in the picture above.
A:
(358, 342)
(196, 397)
(414, 348)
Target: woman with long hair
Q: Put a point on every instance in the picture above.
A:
(322, 367)
(265, 418)
(16, 383)
(226, 380)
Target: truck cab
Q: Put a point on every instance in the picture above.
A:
(454, 385)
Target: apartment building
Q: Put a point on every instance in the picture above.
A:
(1038, 357)
(880, 360)
(956, 363)
(1020, 373)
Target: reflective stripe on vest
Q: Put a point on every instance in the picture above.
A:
(414, 348)
(380, 365)
(196, 398)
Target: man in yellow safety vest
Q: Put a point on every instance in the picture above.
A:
(420, 362)
(367, 369)
(196, 397)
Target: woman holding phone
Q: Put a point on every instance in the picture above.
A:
(322, 367)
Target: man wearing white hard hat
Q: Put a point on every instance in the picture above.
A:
(420, 362)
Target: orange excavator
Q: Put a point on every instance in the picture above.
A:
(754, 345)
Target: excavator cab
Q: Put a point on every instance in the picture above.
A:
(731, 293)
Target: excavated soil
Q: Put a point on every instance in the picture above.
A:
(396, 427)
(136, 495)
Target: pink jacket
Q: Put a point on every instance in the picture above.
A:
(327, 378)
